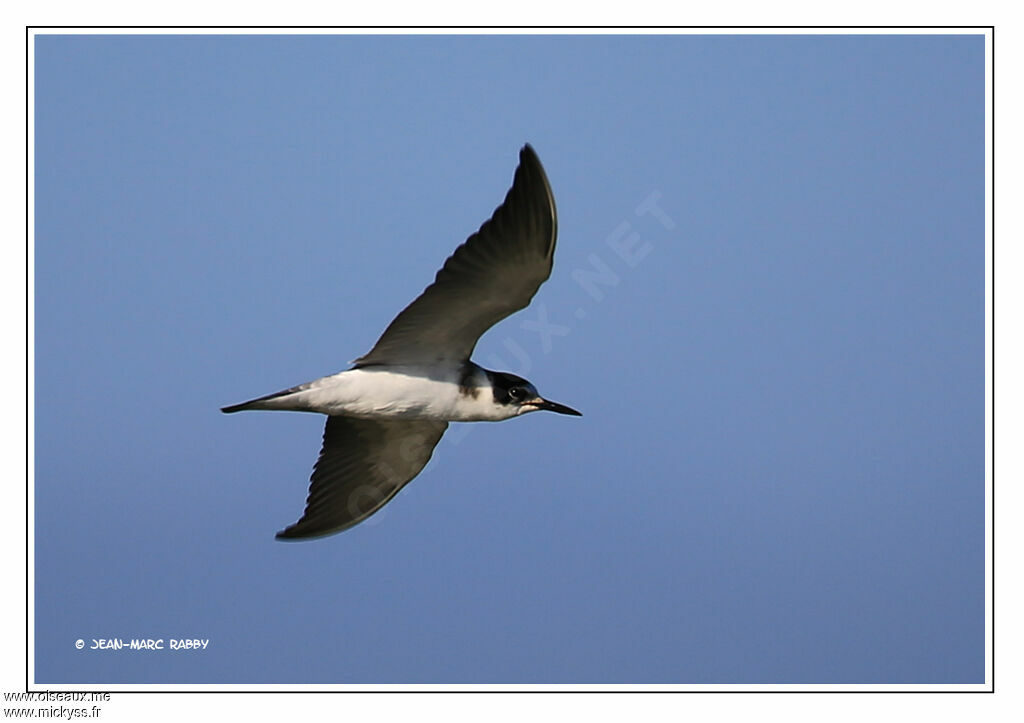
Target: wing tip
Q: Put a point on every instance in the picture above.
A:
(299, 531)
(289, 535)
(527, 155)
(531, 173)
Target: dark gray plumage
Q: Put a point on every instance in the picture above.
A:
(363, 463)
(492, 275)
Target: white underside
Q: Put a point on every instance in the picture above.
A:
(396, 392)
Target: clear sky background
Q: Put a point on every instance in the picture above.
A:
(779, 477)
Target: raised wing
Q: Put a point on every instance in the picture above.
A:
(492, 275)
(362, 465)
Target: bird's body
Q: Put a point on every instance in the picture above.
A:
(453, 394)
(387, 413)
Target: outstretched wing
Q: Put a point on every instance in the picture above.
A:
(362, 465)
(492, 275)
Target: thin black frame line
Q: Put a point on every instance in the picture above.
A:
(991, 129)
(512, 27)
(992, 560)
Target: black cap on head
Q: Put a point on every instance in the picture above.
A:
(512, 390)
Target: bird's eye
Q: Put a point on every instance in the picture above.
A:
(517, 392)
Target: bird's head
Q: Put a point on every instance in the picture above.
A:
(518, 396)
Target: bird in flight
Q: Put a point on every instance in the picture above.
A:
(386, 414)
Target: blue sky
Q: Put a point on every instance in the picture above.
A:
(779, 475)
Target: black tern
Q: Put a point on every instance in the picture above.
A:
(386, 414)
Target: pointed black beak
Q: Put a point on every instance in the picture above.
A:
(542, 403)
